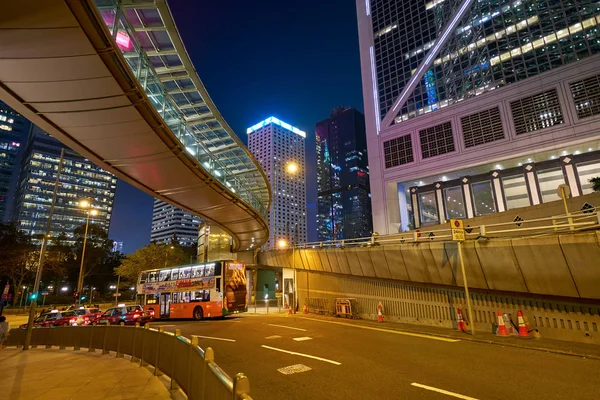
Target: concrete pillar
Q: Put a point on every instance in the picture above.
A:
(466, 186)
(498, 192)
(403, 205)
(439, 195)
(392, 208)
(531, 179)
(570, 176)
(414, 199)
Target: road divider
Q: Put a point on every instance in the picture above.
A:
(442, 391)
(295, 353)
(288, 327)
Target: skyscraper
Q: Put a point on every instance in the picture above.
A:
(169, 221)
(480, 107)
(14, 129)
(279, 148)
(80, 179)
(344, 202)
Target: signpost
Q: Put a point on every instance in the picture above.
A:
(564, 191)
(458, 235)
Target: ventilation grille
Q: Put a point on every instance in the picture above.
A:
(536, 112)
(436, 140)
(398, 151)
(586, 95)
(482, 127)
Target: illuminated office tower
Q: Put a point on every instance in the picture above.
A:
(477, 107)
(279, 148)
(80, 179)
(170, 222)
(13, 132)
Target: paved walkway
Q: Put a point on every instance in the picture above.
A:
(64, 374)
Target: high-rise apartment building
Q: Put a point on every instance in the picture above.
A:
(279, 148)
(477, 107)
(80, 179)
(14, 129)
(169, 222)
(344, 202)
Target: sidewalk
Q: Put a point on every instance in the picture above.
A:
(65, 374)
(547, 345)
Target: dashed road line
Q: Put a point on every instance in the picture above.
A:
(273, 337)
(302, 339)
(288, 327)
(371, 328)
(442, 391)
(214, 338)
(302, 355)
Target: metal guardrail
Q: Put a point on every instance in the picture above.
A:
(572, 222)
(318, 305)
(190, 368)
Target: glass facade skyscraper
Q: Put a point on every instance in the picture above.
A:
(344, 201)
(477, 107)
(14, 129)
(169, 221)
(80, 179)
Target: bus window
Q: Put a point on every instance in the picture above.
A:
(174, 274)
(143, 277)
(164, 275)
(218, 286)
(152, 277)
(210, 270)
(185, 273)
(198, 272)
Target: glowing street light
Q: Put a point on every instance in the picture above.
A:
(85, 204)
(282, 244)
(292, 168)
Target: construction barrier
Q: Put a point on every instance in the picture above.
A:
(190, 367)
(317, 305)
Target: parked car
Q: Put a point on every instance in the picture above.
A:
(127, 315)
(46, 320)
(67, 318)
(87, 315)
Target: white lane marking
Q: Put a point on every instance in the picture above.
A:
(302, 355)
(302, 339)
(214, 338)
(441, 339)
(442, 391)
(273, 337)
(294, 369)
(288, 327)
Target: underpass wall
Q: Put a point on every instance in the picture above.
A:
(436, 306)
(566, 265)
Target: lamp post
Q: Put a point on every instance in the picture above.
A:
(85, 204)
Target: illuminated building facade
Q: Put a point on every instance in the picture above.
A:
(80, 179)
(169, 221)
(13, 131)
(344, 202)
(277, 145)
(475, 107)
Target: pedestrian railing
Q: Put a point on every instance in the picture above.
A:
(317, 305)
(190, 368)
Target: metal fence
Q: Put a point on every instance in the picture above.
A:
(190, 368)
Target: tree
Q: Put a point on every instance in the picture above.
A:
(97, 249)
(149, 257)
(19, 259)
(595, 184)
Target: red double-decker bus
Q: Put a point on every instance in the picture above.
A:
(197, 291)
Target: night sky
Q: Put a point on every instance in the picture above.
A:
(292, 60)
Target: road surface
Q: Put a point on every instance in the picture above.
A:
(292, 358)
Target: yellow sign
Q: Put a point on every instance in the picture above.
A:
(458, 230)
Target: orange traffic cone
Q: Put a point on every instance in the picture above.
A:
(501, 328)
(305, 310)
(459, 318)
(522, 328)
(291, 310)
(379, 315)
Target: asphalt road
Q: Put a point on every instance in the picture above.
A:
(347, 362)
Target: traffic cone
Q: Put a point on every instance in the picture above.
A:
(461, 323)
(305, 310)
(379, 315)
(291, 310)
(501, 327)
(522, 328)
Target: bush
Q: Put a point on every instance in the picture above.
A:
(595, 184)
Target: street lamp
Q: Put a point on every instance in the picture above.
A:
(85, 204)
(291, 168)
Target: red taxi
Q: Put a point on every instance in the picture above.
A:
(127, 315)
(46, 320)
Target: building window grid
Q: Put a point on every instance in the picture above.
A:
(436, 140)
(398, 151)
(532, 113)
(482, 127)
(586, 96)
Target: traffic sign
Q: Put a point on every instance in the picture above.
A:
(458, 230)
(117, 295)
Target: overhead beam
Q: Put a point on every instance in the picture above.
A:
(176, 91)
(192, 105)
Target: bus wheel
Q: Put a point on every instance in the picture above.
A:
(198, 313)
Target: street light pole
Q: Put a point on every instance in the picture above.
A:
(38, 275)
(80, 280)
